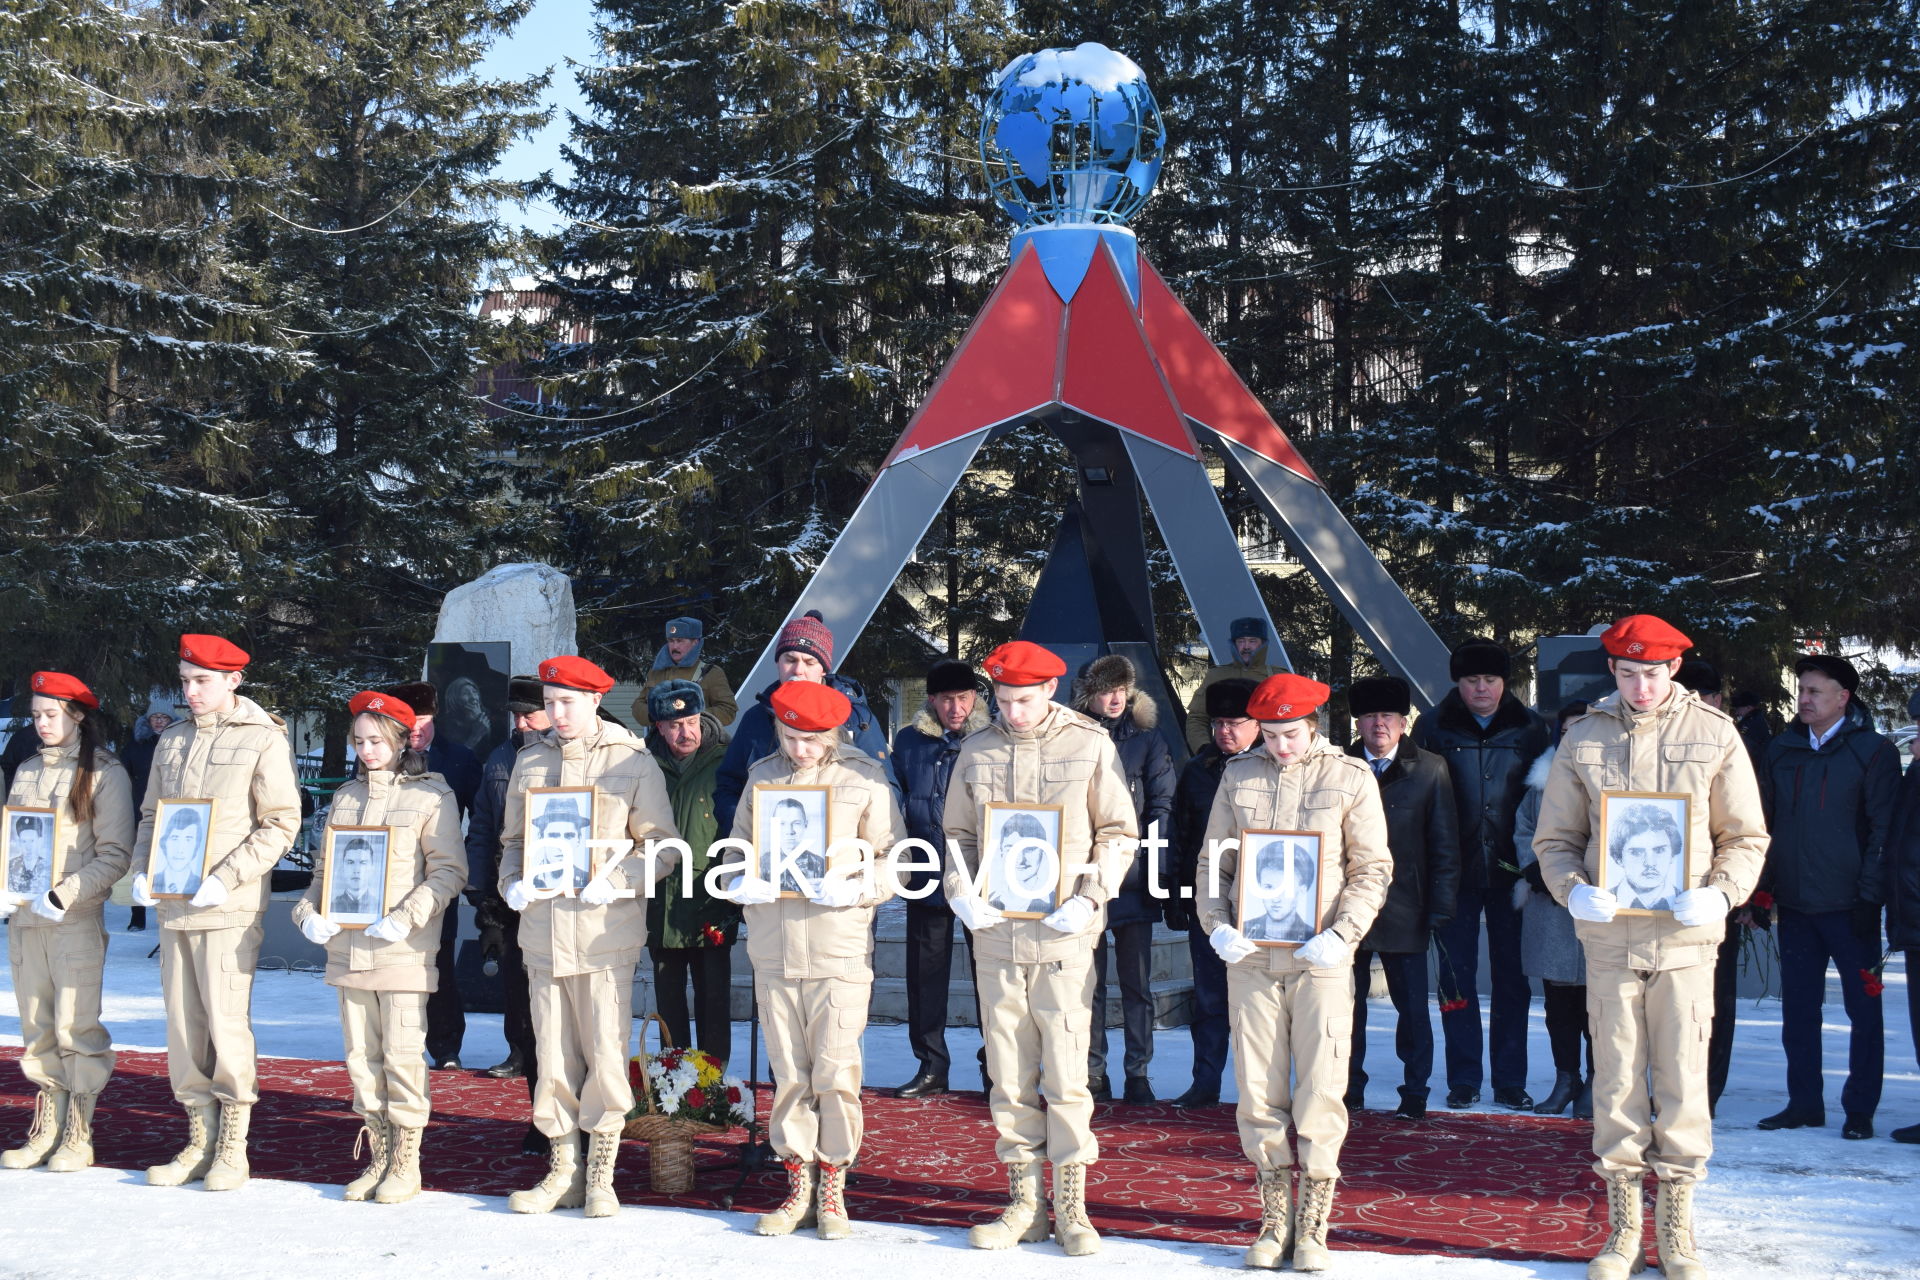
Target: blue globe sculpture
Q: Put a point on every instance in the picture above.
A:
(1071, 136)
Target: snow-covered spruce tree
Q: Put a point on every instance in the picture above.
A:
(384, 469)
(127, 338)
(772, 267)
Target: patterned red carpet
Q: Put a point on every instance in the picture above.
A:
(1508, 1187)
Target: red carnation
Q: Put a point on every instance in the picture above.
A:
(733, 1094)
(1762, 899)
(1449, 1006)
(714, 937)
(697, 1099)
(1871, 982)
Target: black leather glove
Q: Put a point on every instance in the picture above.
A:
(1436, 923)
(1534, 878)
(1866, 927)
(1179, 916)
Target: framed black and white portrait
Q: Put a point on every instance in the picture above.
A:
(1278, 883)
(559, 825)
(182, 847)
(1021, 851)
(790, 837)
(27, 842)
(1644, 859)
(353, 888)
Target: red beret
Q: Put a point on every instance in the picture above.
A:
(58, 684)
(1641, 637)
(810, 707)
(1286, 697)
(382, 704)
(213, 653)
(1021, 662)
(575, 673)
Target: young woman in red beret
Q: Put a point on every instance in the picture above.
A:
(57, 943)
(385, 971)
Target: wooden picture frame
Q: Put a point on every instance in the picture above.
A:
(174, 869)
(1019, 855)
(29, 841)
(1643, 833)
(556, 861)
(1286, 854)
(350, 897)
(775, 823)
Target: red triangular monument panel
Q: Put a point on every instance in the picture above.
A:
(1110, 373)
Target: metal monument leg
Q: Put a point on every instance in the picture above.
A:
(1339, 560)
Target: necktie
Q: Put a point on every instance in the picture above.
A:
(1380, 764)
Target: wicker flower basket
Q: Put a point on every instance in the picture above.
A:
(669, 1139)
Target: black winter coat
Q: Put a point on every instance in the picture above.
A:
(1489, 768)
(1903, 869)
(1148, 767)
(1830, 812)
(1192, 802)
(1423, 834)
(483, 820)
(923, 756)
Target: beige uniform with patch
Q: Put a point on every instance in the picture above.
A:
(1292, 1025)
(243, 762)
(1650, 978)
(580, 958)
(1036, 983)
(813, 965)
(57, 968)
(384, 985)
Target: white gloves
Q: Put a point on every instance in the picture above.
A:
(211, 893)
(1325, 950)
(600, 891)
(1230, 944)
(1596, 906)
(319, 929)
(519, 895)
(836, 891)
(976, 913)
(389, 928)
(1694, 907)
(9, 904)
(141, 890)
(751, 891)
(45, 906)
(1072, 916)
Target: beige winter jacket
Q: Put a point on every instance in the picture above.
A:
(1683, 745)
(1068, 760)
(1327, 791)
(564, 936)
(243, 762)
(87, 856)
(426, 867)
(796, 939)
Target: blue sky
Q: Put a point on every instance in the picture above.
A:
(555, 31)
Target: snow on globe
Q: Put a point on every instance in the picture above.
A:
(1071, 136)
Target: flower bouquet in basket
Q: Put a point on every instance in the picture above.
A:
(680, 1094)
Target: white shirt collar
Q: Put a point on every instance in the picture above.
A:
(1822, 739)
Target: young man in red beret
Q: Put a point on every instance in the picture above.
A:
(580, 951)
(1650, 975)
(813, 955)
(1291, 1007)
(234, 753)
(1036, 976)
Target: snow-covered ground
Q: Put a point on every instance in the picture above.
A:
(1778, 1204)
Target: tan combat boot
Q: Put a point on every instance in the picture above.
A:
(1275, 1240)
(229, 1170)
(1310, 1232)
(1624, 1254)
(834, 1221)
(564, 1187)
(193, 1160)
(75, 1151)
(402, 1182)
(1673, 1223)
(49, 1118)
(1023, 1221)
(378, 1139)
(1071, 1226)
(603, 1150)
(796, 1210)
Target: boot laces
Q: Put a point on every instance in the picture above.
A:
(1316, 1204)
(79, 1124)
(233, 1146)
(1273, 1197)
(374, 1140)
(403, 1152)
(1624, 1212)
(832, 1187)
(798, 1188)
(1073, 1189)
(1676, 1219)
(44, 1117)
(602, 1151)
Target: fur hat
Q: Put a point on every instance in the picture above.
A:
(524, 696)
(685, 629)
(1379, 693)
(1227, 699)
(1248, 629)
(949, 676)
(1479, 657)
(1698, 675)
(418, 694)
(1103, 674)
(675, 700)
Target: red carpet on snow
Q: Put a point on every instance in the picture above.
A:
(1509, 1187)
